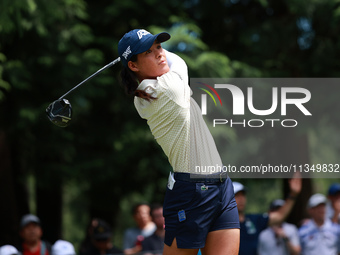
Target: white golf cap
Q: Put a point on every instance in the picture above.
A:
(316, 200)
(238, 187)
(8, 250)
(62, 247)
(29, 218)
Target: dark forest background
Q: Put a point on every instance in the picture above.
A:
(107, 160)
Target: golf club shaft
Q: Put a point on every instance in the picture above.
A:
(100, 70)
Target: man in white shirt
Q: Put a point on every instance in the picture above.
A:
(319, 235)
(283, 238)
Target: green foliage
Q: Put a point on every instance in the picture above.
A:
(107, 159)
(186, 41)
(4, 85)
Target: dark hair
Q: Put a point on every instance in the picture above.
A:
(136, 206)
(130, 82)
(154, 207)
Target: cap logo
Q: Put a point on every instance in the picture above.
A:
(141, 33)
(127, 52)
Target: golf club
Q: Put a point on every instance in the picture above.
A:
(59, 112)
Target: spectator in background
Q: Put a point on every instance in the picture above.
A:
(319, 235)
(88, 238)
(99, 242)
(333, 202)
(282, 237)
(253, 224)
(133, 237)
(62, 247)
(8, 250)
(154, 244)
(31, 233)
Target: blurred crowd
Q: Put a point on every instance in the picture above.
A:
(261, 234)
(146, 238)
(269, 234)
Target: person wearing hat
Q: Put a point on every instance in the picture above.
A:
(253, 224)
(319, 235)
(100, 234)
(199, 208)
(333, 203)
(62, 247)
(31, 233)
(283, 238)
(9, 250)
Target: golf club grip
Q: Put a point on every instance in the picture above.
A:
(91, 76)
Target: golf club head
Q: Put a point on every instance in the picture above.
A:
(60, 112)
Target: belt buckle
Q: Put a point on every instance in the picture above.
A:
(221, 178)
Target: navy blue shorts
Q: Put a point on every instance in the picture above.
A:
(193, 209)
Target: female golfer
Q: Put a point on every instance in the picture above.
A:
(199, 208)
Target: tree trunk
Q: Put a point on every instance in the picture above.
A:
(13, 196)
(49, 205)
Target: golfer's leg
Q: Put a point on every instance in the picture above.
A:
(173, 250)
(222, 242)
